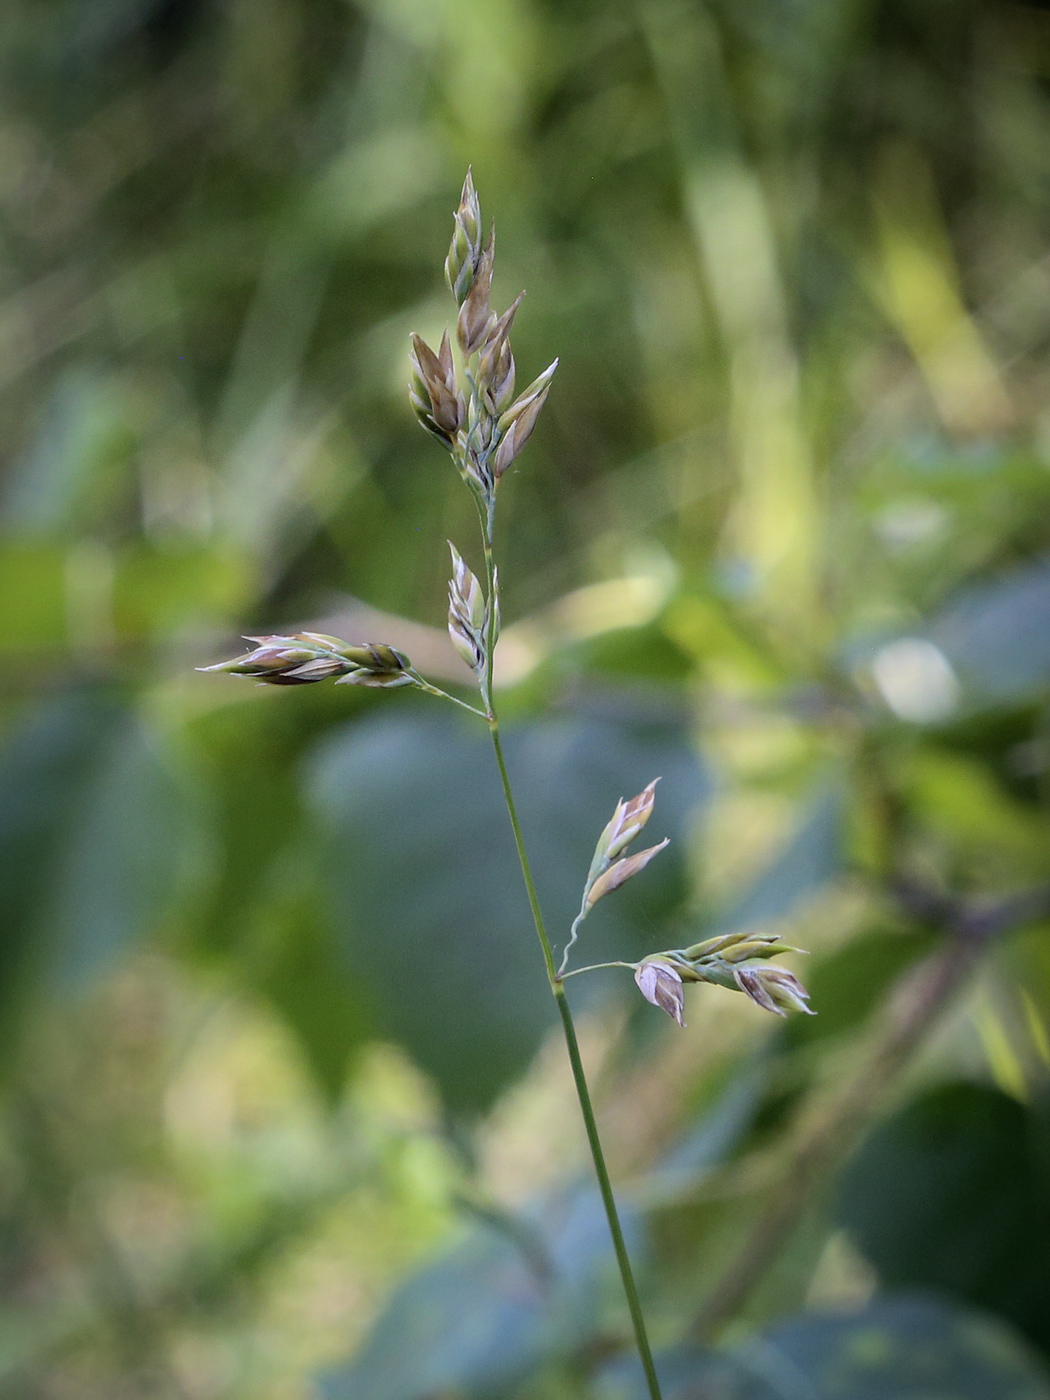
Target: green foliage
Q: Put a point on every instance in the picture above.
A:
(953, 1193)
(426, 893)
(910, 1348)
(97, 833)
(527, 1302)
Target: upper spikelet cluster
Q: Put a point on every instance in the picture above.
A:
(474, 414)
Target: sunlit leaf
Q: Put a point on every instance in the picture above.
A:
(483, 1315)
(809, 860)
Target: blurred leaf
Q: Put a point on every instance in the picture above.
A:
(125, 859)
(996, 839)
(250, 748)
(953, 1193)
(479, 1318)
(640, 652)
(718, 637)
(848, 984)
(997, 635)
(95, 830)
(904, 1348)
(427, 894)
(48, 763)
(721, 1128)
(810, 859)
(33, 596)
(80, 448)
(310, 984)
(52, 593)
(156, 591)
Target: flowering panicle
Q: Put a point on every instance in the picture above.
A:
(463, 394)
(734, 960)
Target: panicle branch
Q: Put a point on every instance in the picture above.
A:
(610, 868)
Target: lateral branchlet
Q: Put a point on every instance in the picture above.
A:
(610, 867)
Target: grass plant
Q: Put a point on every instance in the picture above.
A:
(471, 409)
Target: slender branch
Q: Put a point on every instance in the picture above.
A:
(574, 933)
(608, 1199)
(592, 967)
(580, 1079)
(444, 695)
(523, 859)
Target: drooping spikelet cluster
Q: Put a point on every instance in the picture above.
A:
(738, 961)
(475, 415)
(304, 657)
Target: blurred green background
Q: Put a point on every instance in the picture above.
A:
(281, 1112)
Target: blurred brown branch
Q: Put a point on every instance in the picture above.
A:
(829, 1124)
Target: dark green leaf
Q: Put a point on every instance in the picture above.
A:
(310, 984)
(849, 983)
(95, 830)
(903, 1348)
(953, 1193)
(427, 894)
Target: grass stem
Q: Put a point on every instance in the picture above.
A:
(580, 1079)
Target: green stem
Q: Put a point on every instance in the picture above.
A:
(580, 1079)
(486, 511)
(609, 1201)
